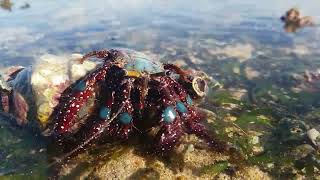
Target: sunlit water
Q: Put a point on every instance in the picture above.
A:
(222, 38)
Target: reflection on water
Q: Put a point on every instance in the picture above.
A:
(240, 43)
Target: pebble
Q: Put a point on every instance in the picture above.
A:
(190, 148)
(255, 140)
(313, 135)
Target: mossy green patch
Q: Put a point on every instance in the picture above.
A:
(214, 169)
(254, 117)
(22, 152)
(221, 97)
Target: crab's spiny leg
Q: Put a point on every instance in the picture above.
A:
(125, 118)
(201, 131)
(191, 118)
(80, 94)
(170, 132)
(116, 98)
(101, 123)
(177, 70)
(90, 139)
(171, 126)
(98, 54)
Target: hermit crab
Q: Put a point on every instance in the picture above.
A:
(117, 94)
(132, 94)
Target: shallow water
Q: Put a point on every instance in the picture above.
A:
(242, 44)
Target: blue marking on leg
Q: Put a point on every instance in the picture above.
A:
(189, 100)
(181, 107)
(169, 114)
(104, 113)
(125, 118)
(81, 86)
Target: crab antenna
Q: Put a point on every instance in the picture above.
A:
(98, 54)
(175, 68)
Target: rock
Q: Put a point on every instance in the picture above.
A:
(145, 174)
(236, 70)
(238, 94)
(251, 73)
(256, 150)
(242, 52)
(195, 60)
(180, 62)
(252, 173)
(314, 136)
(291, 130)
(254, 140)
(302, 151)
(294, 21)
(4, 85)
(299, 50)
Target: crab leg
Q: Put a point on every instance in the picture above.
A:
(191, 117)
(169, 134)
(117, 102)
(171, 126)
(99, 54)
(88, 140)
(123, 126)
(80, 94)
(120, 107)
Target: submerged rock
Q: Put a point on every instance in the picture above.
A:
(291, 131)
(302, 151)
(242, 52)
(293, 21)
(314, 136)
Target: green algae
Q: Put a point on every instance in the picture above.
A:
(23, 154)
(254, 117)
(278, 134)
(221, 97)
(214, 169)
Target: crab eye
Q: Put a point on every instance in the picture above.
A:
(172, 74)
(200, 86)
(167, 72)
